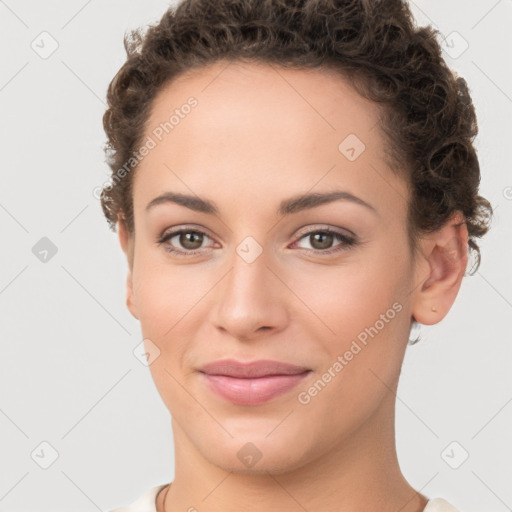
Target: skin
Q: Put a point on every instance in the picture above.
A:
(261, 134)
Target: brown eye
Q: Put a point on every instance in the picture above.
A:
(190, 239)
(183, 242)
(321, 240)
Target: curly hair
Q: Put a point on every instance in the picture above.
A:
(427, 115)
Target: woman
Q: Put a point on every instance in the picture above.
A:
(294, 186)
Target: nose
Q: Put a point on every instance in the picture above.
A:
(251, 300)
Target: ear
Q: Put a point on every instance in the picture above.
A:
(127, 242)
(441, 264)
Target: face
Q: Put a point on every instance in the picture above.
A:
(248, 271)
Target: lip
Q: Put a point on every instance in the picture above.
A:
(254, 369)
(252, 383)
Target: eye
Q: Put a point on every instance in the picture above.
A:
(321, 241)
(190, 240)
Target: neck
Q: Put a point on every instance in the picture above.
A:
(362, 472)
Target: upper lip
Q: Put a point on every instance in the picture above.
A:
(261, 368)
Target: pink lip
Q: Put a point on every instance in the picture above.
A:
(261, 368)
(252, 383)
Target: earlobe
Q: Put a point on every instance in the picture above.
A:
(445, 256)
(126, 242)
(130, 299)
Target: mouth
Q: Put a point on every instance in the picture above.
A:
(252, 383)
(254, 369)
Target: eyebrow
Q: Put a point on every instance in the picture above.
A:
(289, 206)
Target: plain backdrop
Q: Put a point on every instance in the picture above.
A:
(76, 399)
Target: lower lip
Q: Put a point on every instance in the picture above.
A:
(252, 391)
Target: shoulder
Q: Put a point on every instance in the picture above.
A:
(146, 503)
(439, 505)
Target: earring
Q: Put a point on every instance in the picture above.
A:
(433, 308)
(415, 333)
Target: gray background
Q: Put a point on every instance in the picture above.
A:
(69, 375)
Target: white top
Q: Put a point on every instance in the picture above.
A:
(147, 503)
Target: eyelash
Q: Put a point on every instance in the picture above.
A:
(347, 242)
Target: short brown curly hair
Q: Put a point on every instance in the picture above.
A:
(427, 117)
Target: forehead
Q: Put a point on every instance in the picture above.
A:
(262, 127)
(234, 97)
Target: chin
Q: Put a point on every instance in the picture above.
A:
(246, 457)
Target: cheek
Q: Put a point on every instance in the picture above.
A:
(347, 299)
(168, 302)
(364, 321)
(362, 359)
(164, 294)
